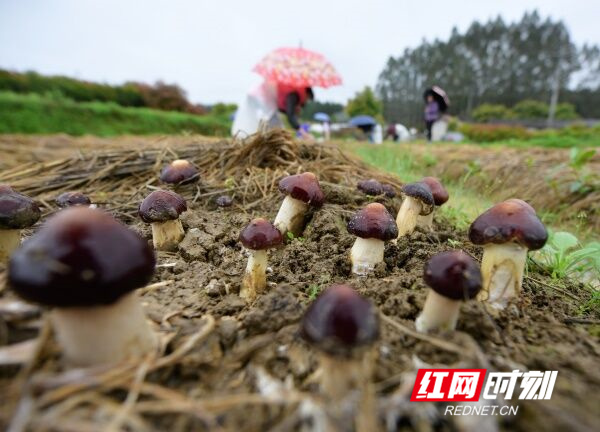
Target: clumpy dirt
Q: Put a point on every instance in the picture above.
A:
(251, 342)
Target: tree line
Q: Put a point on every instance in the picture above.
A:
(494, 63)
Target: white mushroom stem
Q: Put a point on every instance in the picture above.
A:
(10, 239)
(439, 313)
(103, 334)
(290, 216)
(426, 222)
(365, 254)
(167, 235)
(255, 278)
(347, 388)
(408, 215)
(502, 269)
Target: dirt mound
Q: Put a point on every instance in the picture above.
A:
(222, 359)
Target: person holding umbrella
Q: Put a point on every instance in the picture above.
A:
(290, 74)
(436, 103)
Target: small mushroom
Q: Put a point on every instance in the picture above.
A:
(86, 266)
(16, 212)
(257, 237)
(161, 209)
(372, 226)
(370, 187)
(388, 190)
(506, 231)
(418, 201)
(224, 201)
(453, 276)
(301, 190)
(343, 327)
(179, 171)
(440, 196)
(68, 199)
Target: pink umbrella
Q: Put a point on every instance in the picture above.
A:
(298, 67)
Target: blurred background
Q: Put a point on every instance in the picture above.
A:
(527, 65)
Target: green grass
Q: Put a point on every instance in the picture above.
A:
(36, 114)
(465, 205)
(549, 141)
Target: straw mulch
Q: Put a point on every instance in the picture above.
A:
(250, 169)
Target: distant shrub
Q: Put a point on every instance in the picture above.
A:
(486, 112)
(490, 133)
(530, 109)
(565, 111)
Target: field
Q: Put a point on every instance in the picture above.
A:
(46, 114)
(222, 358)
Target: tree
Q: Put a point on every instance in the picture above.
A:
(313, 107)
(365, 103)
(493, 62)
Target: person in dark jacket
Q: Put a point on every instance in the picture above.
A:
(432, 114)
(290, 101)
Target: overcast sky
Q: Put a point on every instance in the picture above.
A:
(210, 46)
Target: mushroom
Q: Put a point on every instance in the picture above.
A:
(161, 209)
(418, 200)
(301, 190)
(388, 190)
(506, 231)
(86, 266)
(68, 199)
(179, 171)
(372, 226)
(370, 187)
(257, 237)
(344, 326)
(452, 276)
(224, 201)
(440, 196)
(16, 212)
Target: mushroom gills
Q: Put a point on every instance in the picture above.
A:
(426, 221)
(347, 381)
(104, 334)
(255, 278)
(167, 235)
(365, 254)
(290, 216)
(408, 216)
(10, 239)
(502, 269)
(439, 313)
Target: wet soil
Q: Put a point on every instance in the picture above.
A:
(204, 276)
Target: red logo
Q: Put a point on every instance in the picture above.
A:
(448, 385)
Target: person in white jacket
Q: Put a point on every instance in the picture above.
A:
(262, 105)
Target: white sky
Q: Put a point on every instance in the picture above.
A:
(210, 46)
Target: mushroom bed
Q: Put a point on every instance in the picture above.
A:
(232, 366)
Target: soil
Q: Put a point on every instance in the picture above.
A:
(256, 349)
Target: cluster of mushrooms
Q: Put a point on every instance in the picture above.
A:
(86, 266)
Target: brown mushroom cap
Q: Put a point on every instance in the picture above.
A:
(454, 275)
(370, 187)
(178, 171)
(224, 201)
(507, 221)
(523, 203)
(374, 221)
(17, 211)
(68, 199)
(80, 257)
(161, 206)
(420, 191)
(303, 187)
(260, 234)
(339, 321)
(439, 192)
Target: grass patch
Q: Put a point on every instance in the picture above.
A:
(36, 114)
